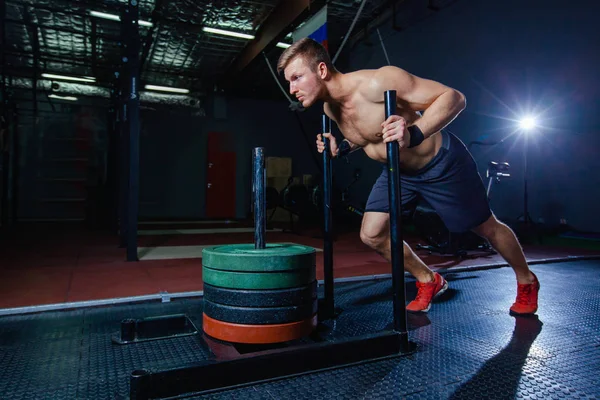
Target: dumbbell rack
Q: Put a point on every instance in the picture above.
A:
(238, 364)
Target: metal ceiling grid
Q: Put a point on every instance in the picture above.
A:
(239, 15)
(175, 51)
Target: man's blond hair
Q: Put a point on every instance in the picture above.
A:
(312, 51)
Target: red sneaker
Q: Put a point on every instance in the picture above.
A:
(426, 292)
(527, 298)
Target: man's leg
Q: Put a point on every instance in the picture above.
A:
(505, 242)
(375, 233)
(456, 191)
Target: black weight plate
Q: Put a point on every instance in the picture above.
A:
(261, 298)
(259, 315)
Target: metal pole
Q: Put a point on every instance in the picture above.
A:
(525, 199)
(112, 174)
(13, 164)
(397, 244)
(328, 304)
(259, 184)
(123, 171)
(122, 133)
(4, 124)
(132, 61)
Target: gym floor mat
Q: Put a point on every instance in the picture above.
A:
(469, 345)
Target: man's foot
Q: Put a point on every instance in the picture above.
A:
(426, 292)
(527, 298)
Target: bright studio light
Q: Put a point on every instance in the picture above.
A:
(527, 123)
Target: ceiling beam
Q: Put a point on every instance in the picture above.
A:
(386, 11)
(286, 15)
(151, 35)
(3, 46)
(167, 23)
(45, 57)
(94, 43)
(100, 35)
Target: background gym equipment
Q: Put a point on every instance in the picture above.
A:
(432, 229)
(342, 202)
(322, 349)
(495, 172)
(306, 202)
(295, 199)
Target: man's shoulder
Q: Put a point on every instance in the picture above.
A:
(387, 72)
(375, 72)
(370, 81)
(377, 80)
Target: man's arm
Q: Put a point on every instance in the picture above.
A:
(345, 147)
(443, 104)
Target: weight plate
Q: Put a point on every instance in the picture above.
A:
(258, 334)
(258, 280)
(261, 298)
(260, 315)
(274, 257)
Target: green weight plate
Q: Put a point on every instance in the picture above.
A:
(274, 257)
(258, 280)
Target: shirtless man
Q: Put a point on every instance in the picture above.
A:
(434, 163)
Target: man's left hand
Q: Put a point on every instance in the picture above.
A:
(394, 129)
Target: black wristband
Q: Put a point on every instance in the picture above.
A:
(416, 136)
(344, 148)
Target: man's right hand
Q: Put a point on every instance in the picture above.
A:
(332, 143)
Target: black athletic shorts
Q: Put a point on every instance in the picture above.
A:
(450, 183)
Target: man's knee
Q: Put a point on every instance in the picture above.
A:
(407, 252)
(374, 231)
(490, 228)
(372, 237)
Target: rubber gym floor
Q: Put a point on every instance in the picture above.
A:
(63, 294)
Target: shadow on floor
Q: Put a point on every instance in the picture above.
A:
(501, 374)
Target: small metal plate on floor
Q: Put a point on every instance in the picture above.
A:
(154, 328)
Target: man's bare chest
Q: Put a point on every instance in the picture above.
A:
(361, 124)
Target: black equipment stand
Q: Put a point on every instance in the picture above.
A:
(328, 303)
(397, 244)
(232, 367)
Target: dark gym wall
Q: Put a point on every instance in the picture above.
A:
(173, 151)
(61, 157)
(509, 57)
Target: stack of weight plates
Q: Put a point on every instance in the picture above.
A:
(259, 295)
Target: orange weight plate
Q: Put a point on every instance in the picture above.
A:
(258, 334)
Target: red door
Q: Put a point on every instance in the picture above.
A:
(221, 166)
